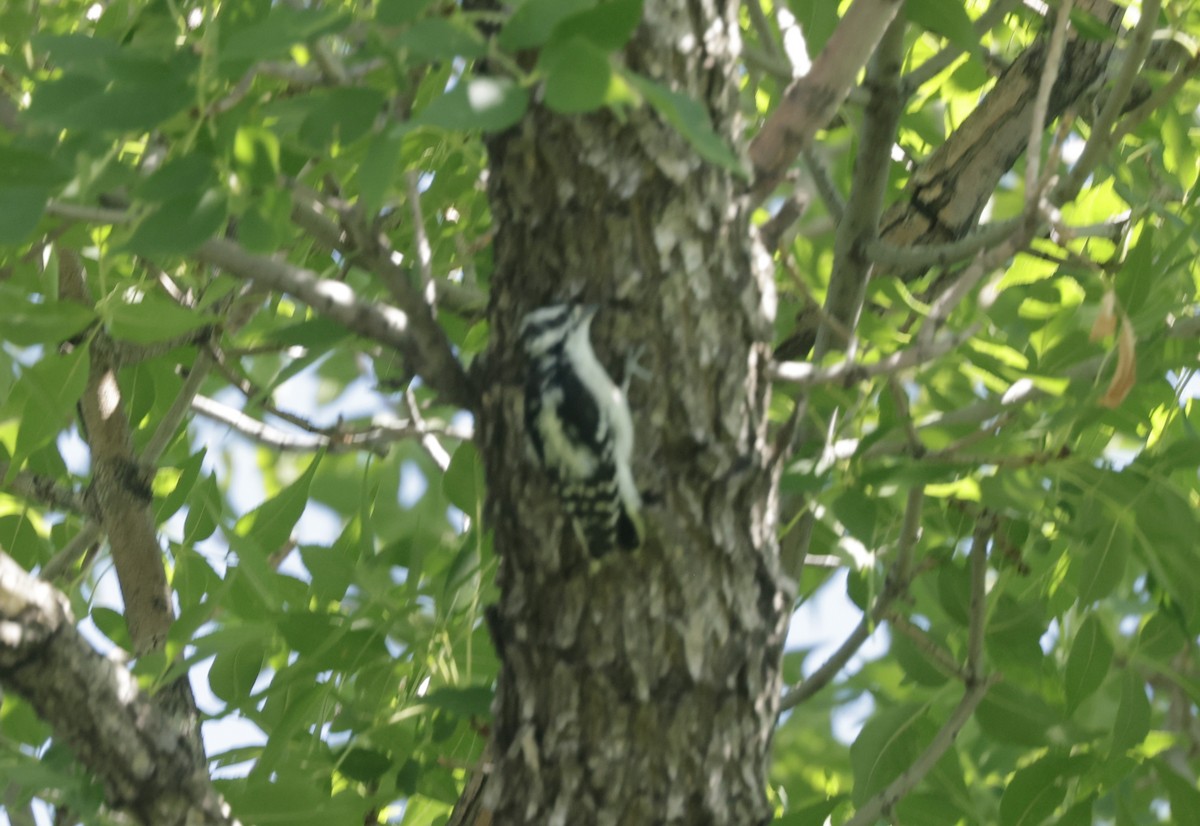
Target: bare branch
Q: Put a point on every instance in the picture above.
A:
(978, 607)
(826, 188)
(120, 485)
(90, 214)
(1037, 123)
(421, 237)
(425, 345)
(923, 256)
(860, 223)
(44, 491)
(377, 439)
(977, 687)
(810, 101)
(428, 441)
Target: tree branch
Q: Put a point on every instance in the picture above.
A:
(899, 574)
(120, 484)
(850, 371)
(1041, 102)
(977, 688)
(860, 225)
(809, 102)
(44, 491)
(377, 439)
(94, 706)
(424, 343)
(870, 811)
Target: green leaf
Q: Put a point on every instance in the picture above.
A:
(465, 701)
(88, 104)
(20, 210)
(180, 225)
(1088, 662)
(204, 510)
(1185, 799)
(886, 746)
(189, 473)
(234, 672)
(578, 75)
(181, 177)
(1179, 147)
(463, 480)
(146, 318)
(317, 332)
(1033, 793)
(1009, 714)
(341, 116)
(486, 103)
(948, 19)
(399, 12)
(112, 625)
(1099, 569)
(1133, 715)
(376, 173)
(26, 324)
(364, 765)
(533, 22)
(1137, 277)
(608, 25)
(45, 395)
(857, 512)
(690, 119)
(76, 51)
(817, 19)
(1161, 636)
(20, 167)
(271, 523)
(274, 35)
(21, 540)
(437, 38)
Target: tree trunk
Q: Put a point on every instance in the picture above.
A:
(642, 688)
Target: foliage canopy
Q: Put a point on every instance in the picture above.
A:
(221, 205)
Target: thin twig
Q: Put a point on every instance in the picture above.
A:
(883, 802)
(79, 545)
(45, 491)
(425, 342)
(1041, 102)
(923, 256)
(978, 606)
(421, 238)
(850, 371)
(835, 205)
(942, 659)
(896, 584)
(428, 441)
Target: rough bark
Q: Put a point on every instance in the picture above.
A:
(144, 757)
(642, 688)
(946, 195)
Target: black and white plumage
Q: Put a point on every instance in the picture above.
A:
(579, 426)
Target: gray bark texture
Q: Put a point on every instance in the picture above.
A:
(643, 688)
